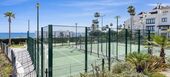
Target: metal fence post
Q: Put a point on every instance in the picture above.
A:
(76, 35)
(91, 45)
(103, 67)
(138, 41)
(27, 40)
(98, 45)
(86, 58)
(50, 50)
(131, 40)
(35, 61)
(101, 44)
(109, 50)
(106, 46)
(42, 54)
(126, 33)
(149, 39)
(80, 41)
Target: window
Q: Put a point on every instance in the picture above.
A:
(163, 34)
(164, 19)
(150, 21)
(151, 28)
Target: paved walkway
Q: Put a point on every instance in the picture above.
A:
(24, 61)
(166, 73)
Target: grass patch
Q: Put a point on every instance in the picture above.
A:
(157, 74)
(5, 66)
(17, 46)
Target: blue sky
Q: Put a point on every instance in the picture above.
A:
(68, 12)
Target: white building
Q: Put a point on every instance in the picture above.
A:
(157, 20)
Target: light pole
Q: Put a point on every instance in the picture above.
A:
(117, 19)
(107, 27)
(28, 30)
(97, 15)
(131, 11)
(28, 34)
(101, 35)
(28, 25)
(111, 24)
(37, 5)
(76, 34)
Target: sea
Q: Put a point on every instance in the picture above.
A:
(15, 35)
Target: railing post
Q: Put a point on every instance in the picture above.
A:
(50, 50)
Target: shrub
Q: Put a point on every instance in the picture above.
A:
(146, 62)
(120, 67)
(155, 64)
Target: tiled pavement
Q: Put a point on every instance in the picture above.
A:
(24, 59)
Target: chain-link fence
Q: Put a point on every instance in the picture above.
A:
(68, 50)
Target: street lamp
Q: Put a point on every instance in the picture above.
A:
(111, 24)
(97, 14)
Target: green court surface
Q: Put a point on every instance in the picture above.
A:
(70, 61)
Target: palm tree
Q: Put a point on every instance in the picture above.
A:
(161, 41)
(131, 11)
(9, 15)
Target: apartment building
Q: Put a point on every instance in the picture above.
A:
(157, 20)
